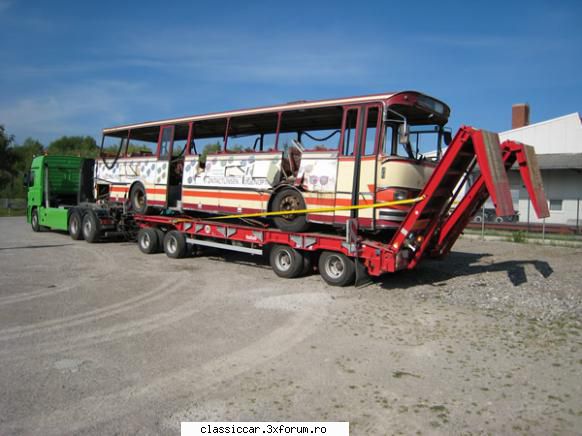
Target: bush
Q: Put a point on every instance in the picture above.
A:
(518, 237)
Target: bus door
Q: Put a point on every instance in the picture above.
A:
(159, 193)
(358, 162)
(368, 154)
(346, 161)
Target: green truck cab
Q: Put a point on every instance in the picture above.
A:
(56, 185)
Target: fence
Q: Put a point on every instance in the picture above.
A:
(12, 206)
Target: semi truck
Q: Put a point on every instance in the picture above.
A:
(62, 196)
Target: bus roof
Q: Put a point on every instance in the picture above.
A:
(298, 105)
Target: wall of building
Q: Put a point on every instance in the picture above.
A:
(564, 185)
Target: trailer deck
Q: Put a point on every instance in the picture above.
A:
(431, 227)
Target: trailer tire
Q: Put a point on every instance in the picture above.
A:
(34, 221)
(175, 245)
(91, 227)
(337, 269)
(75, 226)
(148, 240)
(161, 234)
(286, 261)
(138, 199)
(290, 199)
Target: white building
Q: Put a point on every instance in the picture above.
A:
(558, 144)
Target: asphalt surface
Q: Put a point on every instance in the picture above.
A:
(101, 339)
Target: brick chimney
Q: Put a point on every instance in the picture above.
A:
(519, 115)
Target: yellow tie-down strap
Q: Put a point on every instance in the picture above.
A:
(317, 210)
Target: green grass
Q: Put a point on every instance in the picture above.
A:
(522, 235)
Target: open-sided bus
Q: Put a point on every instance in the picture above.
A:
(300, 155)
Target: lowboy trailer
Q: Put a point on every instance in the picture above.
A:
(431, 227)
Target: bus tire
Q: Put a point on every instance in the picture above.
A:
(290, 199)
(175, 245)
(138, 199)
(91, 227)
(75, 226)
(337, 269)
(148, 240)
(286, 261)
(34, 221)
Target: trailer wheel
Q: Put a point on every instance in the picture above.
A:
(91, 227)
(138, 199)
(290, 200)
(286, 261)
(34, 221)
(175, 245)
(76, 226)
(336, 268)
(148, 240)
(498, 219)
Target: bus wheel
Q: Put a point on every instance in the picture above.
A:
(138, 199)
(76, 226)
(148, 240)
(286, 261)
(34, 222)
(91, 227)
(290, 200)
(175, 245)
(337, 269)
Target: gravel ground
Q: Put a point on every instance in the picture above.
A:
(100, 339)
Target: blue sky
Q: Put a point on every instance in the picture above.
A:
(76, 67)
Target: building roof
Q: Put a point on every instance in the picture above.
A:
(562, 135)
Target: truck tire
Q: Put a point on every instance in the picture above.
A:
(75, 226)
(286, 261)
(91, 227)
(290, 199)
(139, 200)
(34, 221)
(337, 269)
(175, 245)
(148, 240)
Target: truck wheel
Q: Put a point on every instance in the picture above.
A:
(91, 227)
(286, 261)
(336, 268)
(148, 240)
(290, 199)
(175, 245)
(76, 226)
(34, 221)
(138, 199)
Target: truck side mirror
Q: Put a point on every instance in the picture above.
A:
(447, 137)
(26, 179)
(403, 134)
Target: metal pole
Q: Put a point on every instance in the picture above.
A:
(544, 231)
(578, 216)
(528, 207)
(483, 223)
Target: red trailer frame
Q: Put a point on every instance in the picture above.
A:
(431, 227)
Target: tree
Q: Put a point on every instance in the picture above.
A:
(84, 146)
(7, 158)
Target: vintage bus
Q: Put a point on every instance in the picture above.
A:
(294, 156)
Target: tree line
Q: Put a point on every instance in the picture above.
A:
(15, 159)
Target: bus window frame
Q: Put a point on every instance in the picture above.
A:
(160, 134)
(376, 149)
(341, 148)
